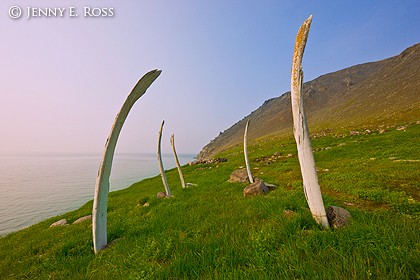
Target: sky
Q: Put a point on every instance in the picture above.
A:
(64, 78)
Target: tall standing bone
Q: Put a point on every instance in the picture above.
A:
(100, 201)
(301, 132)
(248, 167)
(181, 176)
(159, 157)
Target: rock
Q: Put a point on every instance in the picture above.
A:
(61, 222)
(218, 160)
(258, 187)
(338, 217)
(82, 219)
(239, 175)
(270, 186)
(206, 161)
(288, 213)
(161, 195)
(147, 204)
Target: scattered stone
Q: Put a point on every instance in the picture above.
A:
(288, 213)
(381, 130)
(402, 128)
(258, 187)
(239, 175)
(61, 222)
(218, 160)
(328, 148)
(206, 161)
(146, 204)
(406, 160)
(161, 195)
(348, 203)
(353, 132)
(82, 219)
(289, 155)
(338, 217)
(322, 170)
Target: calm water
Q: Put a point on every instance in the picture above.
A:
(36, 187)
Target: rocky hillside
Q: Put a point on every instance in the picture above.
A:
(369, 95)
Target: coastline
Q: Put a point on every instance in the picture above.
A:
(36, 187)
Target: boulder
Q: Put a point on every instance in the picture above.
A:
(258, 187)
(61, 222)
(239, 175)
(82, 219)
(161, 195)
(338, 217)
(270, 186)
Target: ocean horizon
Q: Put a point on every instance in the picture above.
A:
(34, 187)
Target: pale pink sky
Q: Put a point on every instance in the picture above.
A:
(64, 79)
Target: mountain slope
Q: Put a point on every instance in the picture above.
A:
(362, 96)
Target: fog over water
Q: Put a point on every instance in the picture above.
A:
(36, 187)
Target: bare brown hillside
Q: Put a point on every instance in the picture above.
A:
(385, 92)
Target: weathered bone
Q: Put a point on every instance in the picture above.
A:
(100, 201)
(162, 170)
(181, 176)
(248, 167)
(301, 132)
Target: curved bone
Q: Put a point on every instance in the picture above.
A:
(248, 168)
(100, 201)
(181, 176)
(162, 170)
(301, 132)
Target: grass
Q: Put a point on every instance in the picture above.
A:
(211, 231)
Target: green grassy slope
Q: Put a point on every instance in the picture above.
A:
(211, 231)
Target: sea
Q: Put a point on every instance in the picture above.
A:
(39, 186)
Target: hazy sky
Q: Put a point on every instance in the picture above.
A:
(63, 79)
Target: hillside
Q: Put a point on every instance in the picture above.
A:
(368, 95)
(211, 231)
